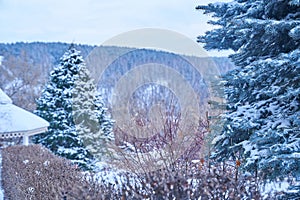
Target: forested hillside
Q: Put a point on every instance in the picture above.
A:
(25, 66)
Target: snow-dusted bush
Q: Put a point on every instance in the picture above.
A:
(33, 172)
(192, 181)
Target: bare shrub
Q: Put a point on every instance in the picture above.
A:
(164, 174)
(32, 172)
(201, 180)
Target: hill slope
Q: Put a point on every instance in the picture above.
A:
(25, 66)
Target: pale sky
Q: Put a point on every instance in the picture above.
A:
(96, 21)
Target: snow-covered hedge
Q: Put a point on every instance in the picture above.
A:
(33, 172)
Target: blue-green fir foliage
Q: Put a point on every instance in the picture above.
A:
(263, 93)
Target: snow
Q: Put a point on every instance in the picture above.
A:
(4, 99)
(295, 33)
(114, 176)
(15, 119)
(273, 187)
(295, 155)
(72, 150)
(247, 146)
(283, 123)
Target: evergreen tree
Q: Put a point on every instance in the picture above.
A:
(94, 125)
(66, 103)
(263, 93)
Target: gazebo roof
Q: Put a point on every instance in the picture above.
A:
(4, 99)
(16, 122)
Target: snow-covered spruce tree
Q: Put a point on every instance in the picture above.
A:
(263, 122)
(93, 123)
(69, 103)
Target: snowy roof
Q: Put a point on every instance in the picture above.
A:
(15, 121)
(4, 99)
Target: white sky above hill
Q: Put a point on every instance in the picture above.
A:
(96, 21)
